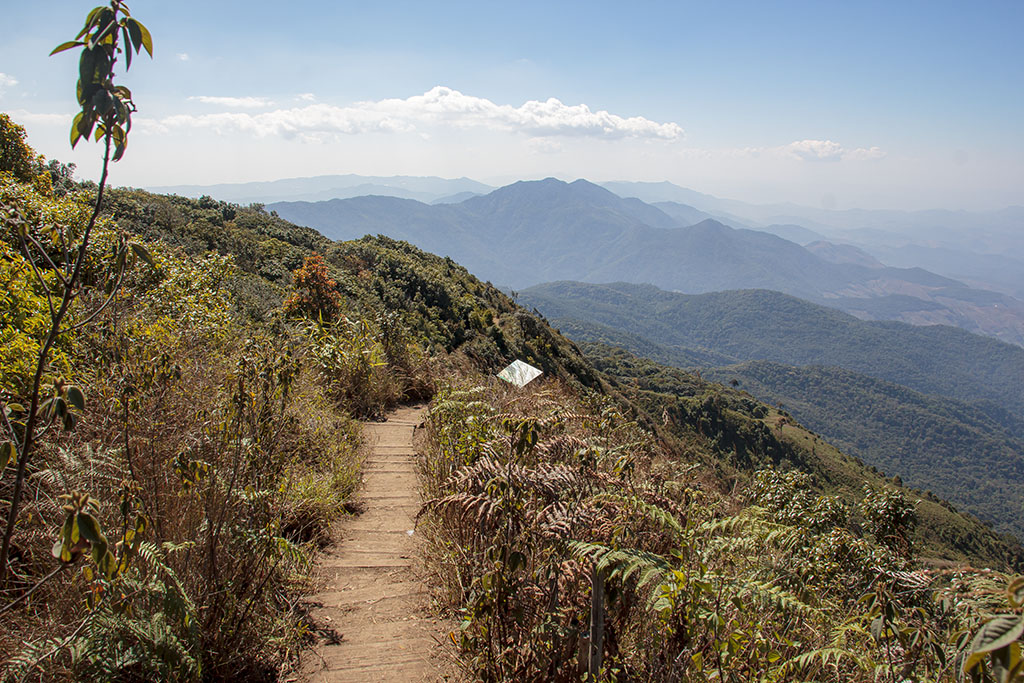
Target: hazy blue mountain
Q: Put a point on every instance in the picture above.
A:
(766, 325)
(316, 188)
(688, 215)
(843, 253)
(455, 198)
(989, 271)
(795, 233)
(531, 232)
(932, 223)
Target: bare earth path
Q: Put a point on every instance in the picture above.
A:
(373, 598)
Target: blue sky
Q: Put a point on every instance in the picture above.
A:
(903, 105)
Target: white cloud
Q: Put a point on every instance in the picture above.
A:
(306, 97)
(235, 102)
(827, 150)
(439, 106)
(182, 56)
(6, 82)
(810, 150)
(814, 150)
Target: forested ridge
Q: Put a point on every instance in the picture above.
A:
(767, 325)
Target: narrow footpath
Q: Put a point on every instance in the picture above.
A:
(372, 612)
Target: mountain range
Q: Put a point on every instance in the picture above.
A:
(531, 232)
(983, 249)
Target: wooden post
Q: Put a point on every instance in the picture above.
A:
(596, 625)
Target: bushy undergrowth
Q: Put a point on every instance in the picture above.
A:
(212, 457)
(202, 461)
(538, 496)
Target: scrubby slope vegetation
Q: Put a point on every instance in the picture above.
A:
(570, 539)
(745, 434)
(214, 442)
(935, 443)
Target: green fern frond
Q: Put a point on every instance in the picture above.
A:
(624, 564)
(777, 597)
(663, 518)
(815, 660)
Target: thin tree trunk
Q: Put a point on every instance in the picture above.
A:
(69, 293)
(596, 625)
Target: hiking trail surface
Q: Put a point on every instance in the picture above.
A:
(372, 611)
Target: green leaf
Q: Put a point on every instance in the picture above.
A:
(134, 33)
(76, 397)
(7, 454)
(90, 528)
(997, 633)
(75, 132)
(87, 66)
(144, 36)
(106, 563)
(66, 46)
(143, 254)
(877, 625)
(127, 49)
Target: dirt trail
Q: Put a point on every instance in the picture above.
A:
(373, 597)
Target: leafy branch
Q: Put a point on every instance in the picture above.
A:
(106, 110)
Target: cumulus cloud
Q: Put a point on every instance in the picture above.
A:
(306, 97)
(827, 150)
(439, 106)
(234, 102)
(7, 82)
(814, 150)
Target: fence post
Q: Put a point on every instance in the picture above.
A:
(596, 625)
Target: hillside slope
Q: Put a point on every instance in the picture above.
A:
(945, 446)
(733, 421)
(764, 325)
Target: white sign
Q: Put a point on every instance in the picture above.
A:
(520, 373)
